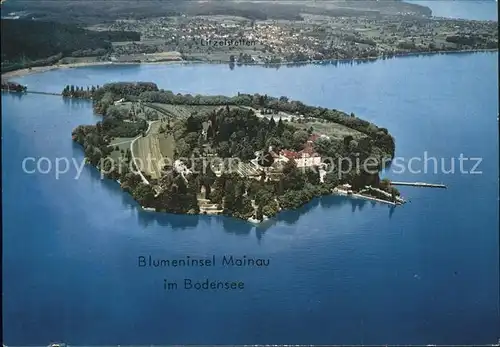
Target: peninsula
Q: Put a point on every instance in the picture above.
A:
(247, 156)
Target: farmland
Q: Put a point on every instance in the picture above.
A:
(146, 152)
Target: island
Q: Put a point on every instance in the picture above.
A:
(246, 156)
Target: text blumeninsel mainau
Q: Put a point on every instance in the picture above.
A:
(226, 260)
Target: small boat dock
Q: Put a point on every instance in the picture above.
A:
(418, 184)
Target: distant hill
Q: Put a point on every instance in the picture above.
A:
(95, 12)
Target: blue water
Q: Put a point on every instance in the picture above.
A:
(342, 271)
(463, 9)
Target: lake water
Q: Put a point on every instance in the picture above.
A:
(463, 9)
(341, 271)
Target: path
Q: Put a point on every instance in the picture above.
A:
(119, 143)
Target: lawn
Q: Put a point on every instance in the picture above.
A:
(331, 129)
(184, 111)
(167, 145)
(123, 143)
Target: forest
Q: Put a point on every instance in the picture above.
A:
(48, 42)
(233, 132)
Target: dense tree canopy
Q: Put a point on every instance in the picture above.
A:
(42, 40)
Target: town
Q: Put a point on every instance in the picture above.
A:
(314, 38)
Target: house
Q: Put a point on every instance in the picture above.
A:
(305, 158)
(344, 189)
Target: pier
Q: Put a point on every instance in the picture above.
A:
(418, 184)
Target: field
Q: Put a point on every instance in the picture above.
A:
(147, 151)
(174, 110)
(149, 57)
(333, 130)
(79, 60)
(119, 140)
(167, 145)
(184, 111)
(122, 143)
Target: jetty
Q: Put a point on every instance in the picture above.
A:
(418, 184)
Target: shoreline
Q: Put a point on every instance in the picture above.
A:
(256, 222)
(41, 69)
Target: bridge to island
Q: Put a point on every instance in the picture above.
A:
(42, 93)
(5, 89)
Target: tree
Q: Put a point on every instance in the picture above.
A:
(217, 193)
(260, 140)
(182, 148)
(323, 146)
(272, 124)
(144, 194)
(312, 175)
(347, 140)
(229, 196)
(384, 184)
(292, 177)
(270, 208)
(259, 215)
(299, 139)
(128, 155)
(207, 179)
(280, 127)
(224, 149)
(191, 139)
